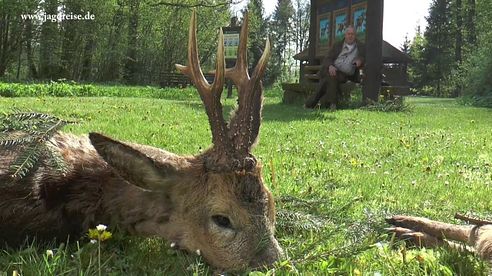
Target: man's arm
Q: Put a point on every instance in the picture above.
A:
(332, 54)
(361, 55)
(331, 57)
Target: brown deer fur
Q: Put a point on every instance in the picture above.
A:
(430, 233)
(214, 202)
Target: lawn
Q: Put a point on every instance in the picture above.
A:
(335, 177)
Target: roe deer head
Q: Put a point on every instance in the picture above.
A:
(214, 202)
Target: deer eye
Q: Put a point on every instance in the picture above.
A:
(222, 221)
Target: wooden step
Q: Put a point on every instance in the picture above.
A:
(312, 76)
(312, 68)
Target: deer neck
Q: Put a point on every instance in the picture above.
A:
(145, 213)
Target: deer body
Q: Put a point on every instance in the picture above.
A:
(214, 202)
(48, 204)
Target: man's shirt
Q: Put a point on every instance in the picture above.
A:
(346, 58)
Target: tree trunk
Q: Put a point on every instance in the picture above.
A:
(87, 58)
(374, 54)
(312, 33)
(131, 56)
(49, 67)
(459, 41)
(10, 36)
(32, 72)
(19, 55)
(111, 63)
(470, 22)
(4, 42)
(459, 32)
(73, 32)
(3, 68)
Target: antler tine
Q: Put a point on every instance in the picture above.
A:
(193, 70)
(239, 73)
(245, 125)
(257, 96)
(210, 94)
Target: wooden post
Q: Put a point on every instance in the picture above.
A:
(374, 50)
(312, 33)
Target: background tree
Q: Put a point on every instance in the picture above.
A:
(417, 70)
(49, 43)
(11, 29)
(474, 74)
(301, 24)
(282, 30)
(437, 51)
(131, 63)
(470, 22)
(130, 41)
(258, 28)
(405, 47)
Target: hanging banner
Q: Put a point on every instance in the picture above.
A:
(324, 30)
(341, 20)
(231, 43)
(359, 20)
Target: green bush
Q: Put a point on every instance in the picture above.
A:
(475, 79)
(473, 76)
(72, 89)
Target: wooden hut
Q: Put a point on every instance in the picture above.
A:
(328, 21)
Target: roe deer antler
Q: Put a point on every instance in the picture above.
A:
(232, 142)
(245, 124)
(210, 94)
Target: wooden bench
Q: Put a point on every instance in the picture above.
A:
(298, 92)
(172, 79)
(295, 93)
(311, 73)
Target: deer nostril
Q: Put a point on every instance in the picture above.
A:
(222, 221)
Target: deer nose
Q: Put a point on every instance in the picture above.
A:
(270, 255)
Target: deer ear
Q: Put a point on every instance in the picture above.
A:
(134, 165)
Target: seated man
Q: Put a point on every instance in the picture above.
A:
(338, 66)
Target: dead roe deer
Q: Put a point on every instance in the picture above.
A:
(214, 202)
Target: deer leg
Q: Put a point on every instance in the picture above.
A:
(429, 233)
(433, 228)
(421, 239)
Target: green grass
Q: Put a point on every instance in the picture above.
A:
(335, 176)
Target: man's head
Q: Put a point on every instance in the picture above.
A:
(350, 35)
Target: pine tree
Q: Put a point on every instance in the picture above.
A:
(470, 23)
(282, 34)
(417, 70)
(10, 33)
(49, 59)
(405, 47)
(131, 64)
(257, 30)
(439, 51)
